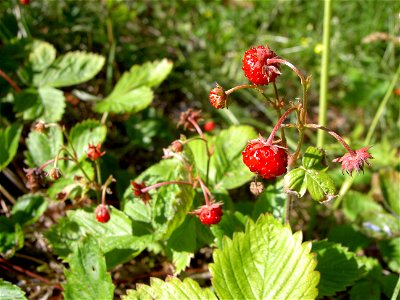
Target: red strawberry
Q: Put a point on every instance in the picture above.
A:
(102, 213)
(218, 97)
(268, 161)
(209, 126)
(209, 214)
(24, 2)
(256, 68)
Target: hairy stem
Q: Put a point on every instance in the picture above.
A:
(160, 184)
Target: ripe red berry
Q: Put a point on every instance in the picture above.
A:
(211, 215)
(266, 160)
(256, 68)
(102, 213)
(24, 2)
(209, 126)
(218, 97)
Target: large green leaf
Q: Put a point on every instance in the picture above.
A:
(348, 236)
(120, 239)
(267, 261)
(355, 203)
(9, 139)
(227, 169)
(171, 288)
(28, 209)
(8, 291)
(44, 103)
(43, 147)
(70, 69)
(87, 277)
(132, 92)
(338, 267)
(85, 133)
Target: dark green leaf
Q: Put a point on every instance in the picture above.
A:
(87, 277)
(348, 236)
(11, 236)
(338, 267)
(272, 200)
(8, 291)
(70, 69)
(267, 261)
(9, 139)
(28, 209)
(365, 290)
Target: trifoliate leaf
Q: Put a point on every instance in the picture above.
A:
(9, 139)
(171, 288)
(338, 267)
(87, 276)
(8, 291)
(70, 69)
(267, 261)
(85, 133)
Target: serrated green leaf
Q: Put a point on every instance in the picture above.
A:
(85, 133)
(320, 185)
(338, 267)
(70, 69)
(294, 182)
(230, 223)
(11, 236)
(9, 139)
(42, 55)
(314, 158)
(227, 169)
(45, 103)
(272, 200)
(130, 102)
(43, 147)
(267, 261)
(171, 288)
(28, 209)
(390, 185)
(87, 277)
(8, 291)
(390, 250)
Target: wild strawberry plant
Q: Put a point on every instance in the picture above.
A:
(184, 202)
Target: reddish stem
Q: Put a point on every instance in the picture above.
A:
(335, 135)
(10, 81)
(285, 62)
(278, 125)
(157, 185)
(206, 191)
(244, 86)
(8, 265)
(196, 126)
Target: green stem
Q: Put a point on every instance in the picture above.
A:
(396, 290)
(98, 175)
(323, 90)
(278, 111)
(382, 106)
